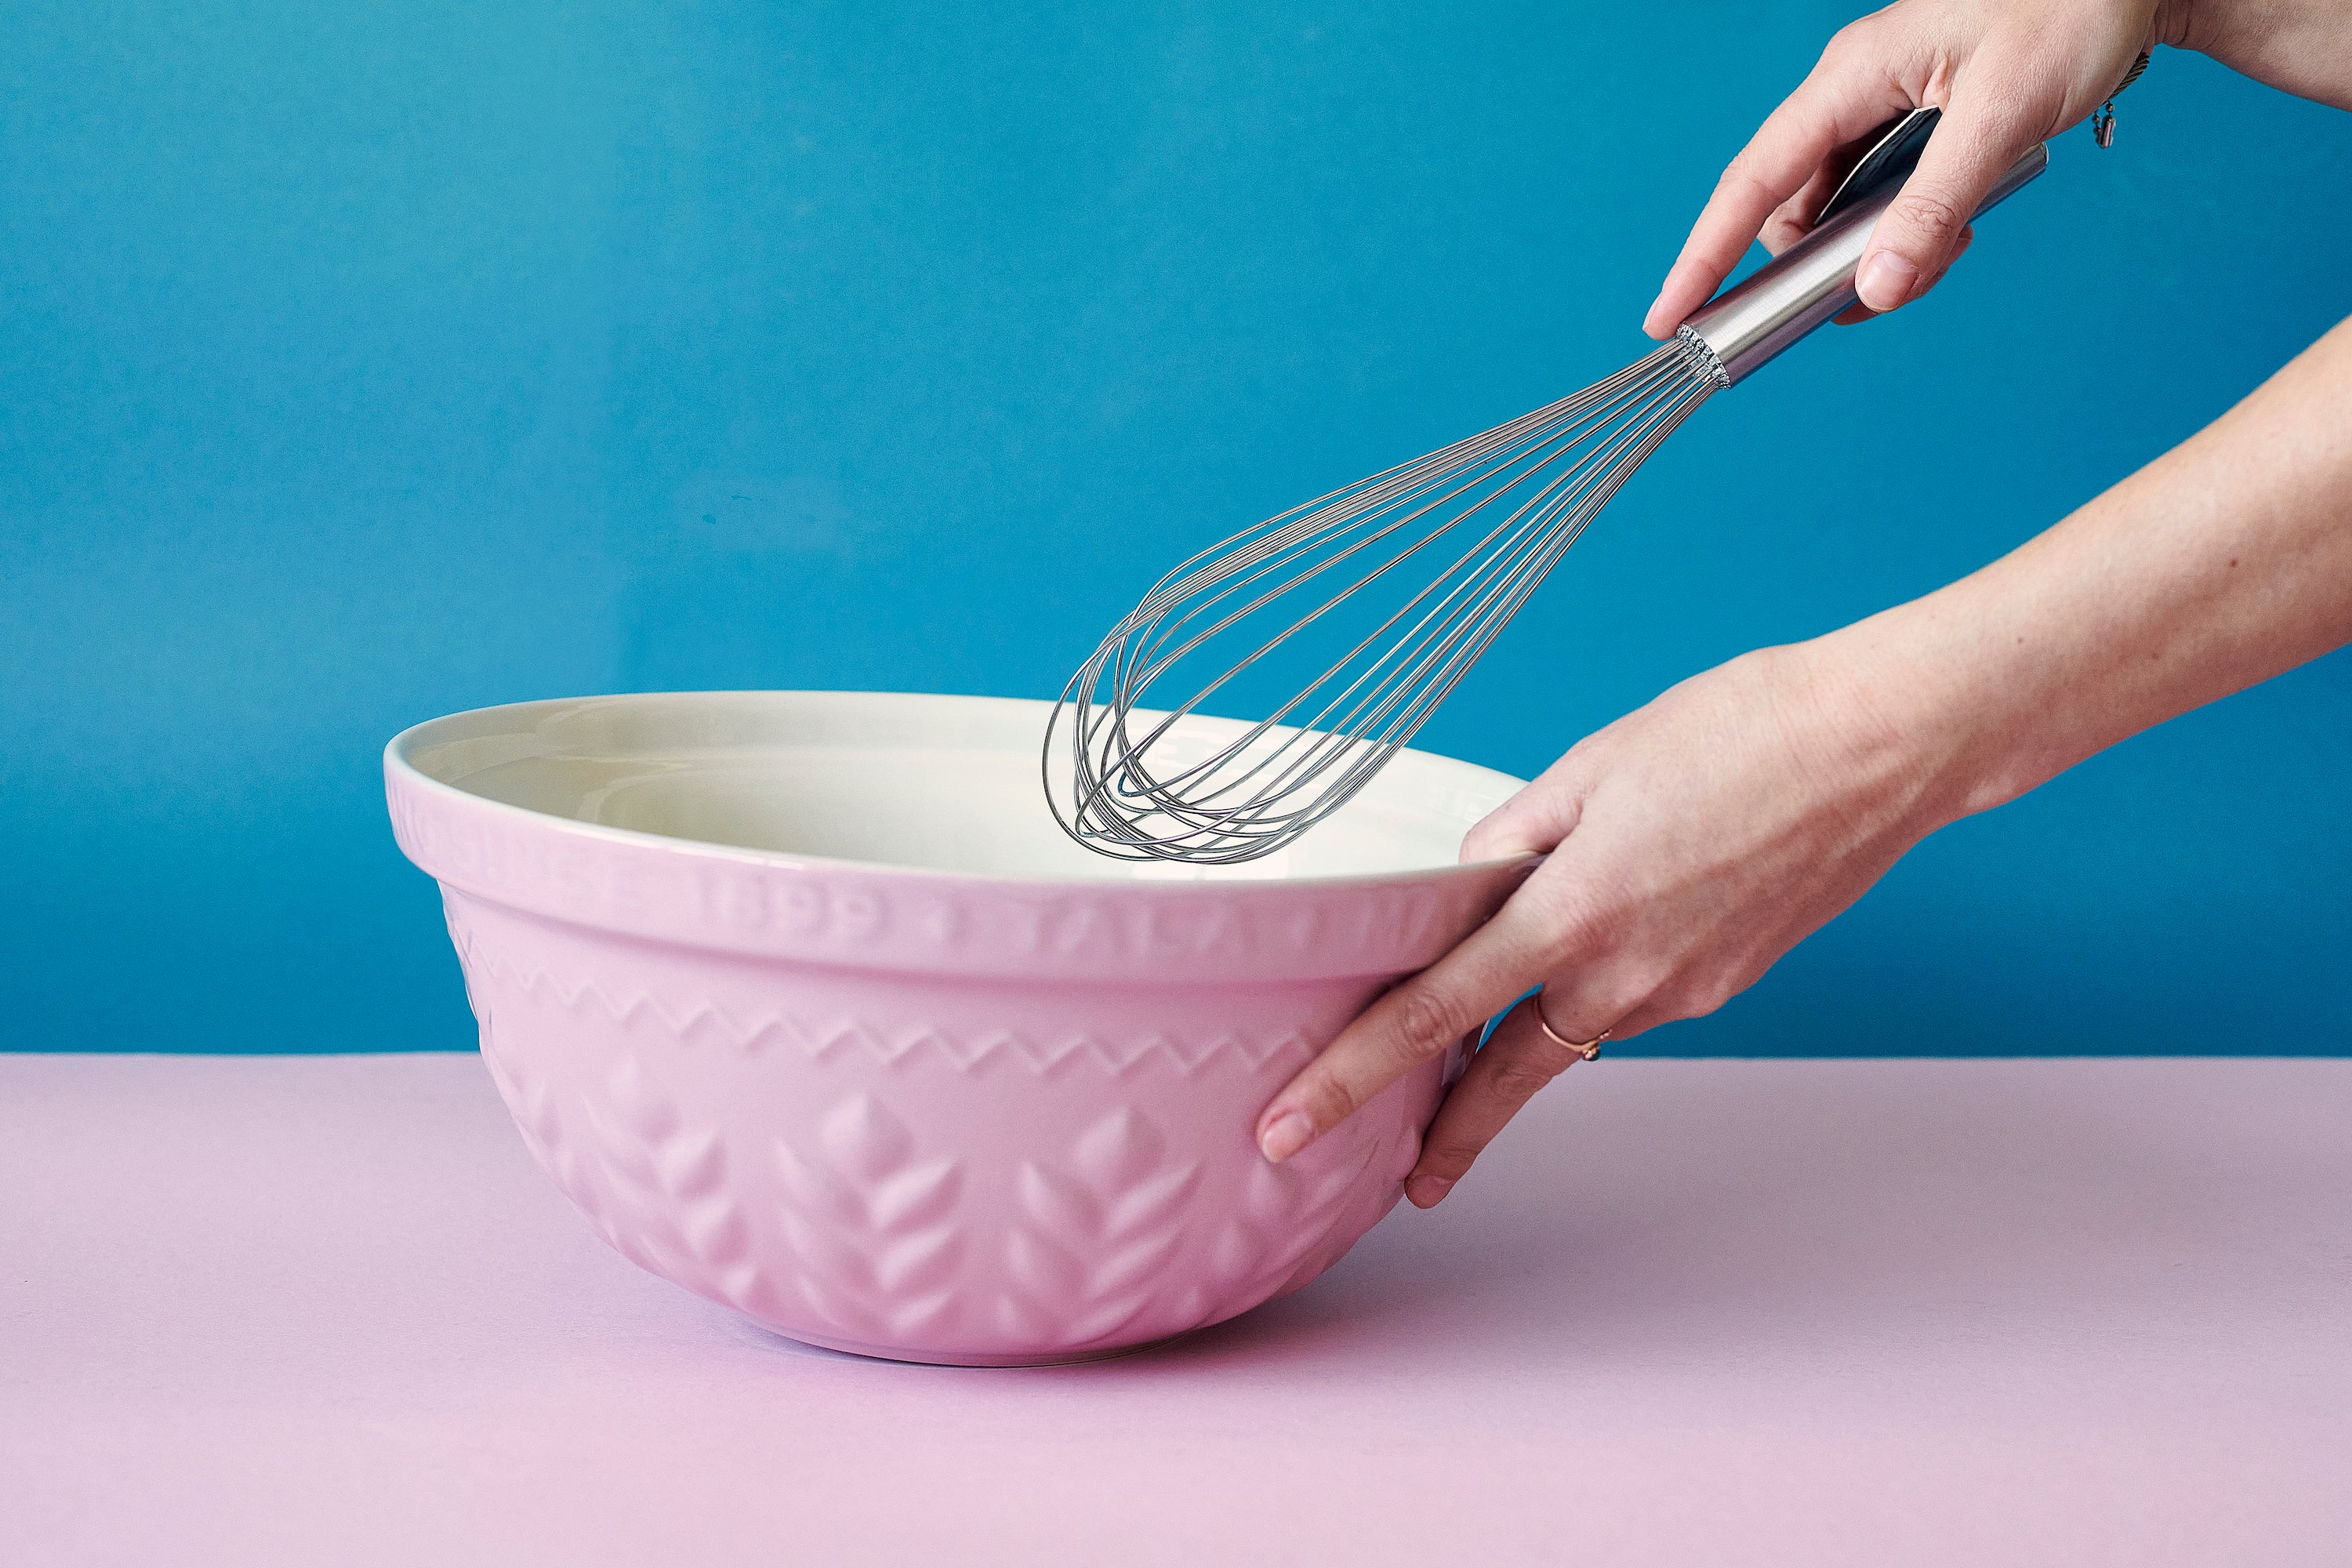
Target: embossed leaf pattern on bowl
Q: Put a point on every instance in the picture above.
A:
(1088, 1255)
(871, 1224)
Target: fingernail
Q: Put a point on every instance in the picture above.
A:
(1426, 1191)
(1285, 1135)
(1886, 280)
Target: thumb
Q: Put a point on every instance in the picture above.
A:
(1921, 232)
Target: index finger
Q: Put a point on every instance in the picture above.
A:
(1832, 108)
(1419, 1019)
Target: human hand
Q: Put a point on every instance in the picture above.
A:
(1691, 843)
(2006, 73)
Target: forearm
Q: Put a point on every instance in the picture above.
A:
(2223, 563)
(2303, 47)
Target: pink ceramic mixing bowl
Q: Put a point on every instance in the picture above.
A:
(807, 1005)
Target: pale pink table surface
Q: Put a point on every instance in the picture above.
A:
(325, 1310)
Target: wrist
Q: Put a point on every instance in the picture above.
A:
(1931, 707)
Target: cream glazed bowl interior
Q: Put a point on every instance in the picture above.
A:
(809, 1007)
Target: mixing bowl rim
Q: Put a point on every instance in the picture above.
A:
(398, 764)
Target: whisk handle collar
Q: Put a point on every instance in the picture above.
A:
(1813, 282)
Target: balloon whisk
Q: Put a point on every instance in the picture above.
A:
(1471, 529)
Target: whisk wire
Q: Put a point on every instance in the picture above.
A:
(1147, 785)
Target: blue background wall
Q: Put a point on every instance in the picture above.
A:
(358, 363)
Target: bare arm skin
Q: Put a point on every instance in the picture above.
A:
(1695, 841)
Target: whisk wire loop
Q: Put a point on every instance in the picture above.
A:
(1136, 780)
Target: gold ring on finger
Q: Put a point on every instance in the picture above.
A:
(1588, 1049)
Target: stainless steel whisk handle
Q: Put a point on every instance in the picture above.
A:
(1812, 281)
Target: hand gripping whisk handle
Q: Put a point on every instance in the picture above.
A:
(1812, 281)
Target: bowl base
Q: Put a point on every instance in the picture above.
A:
(916, 1358)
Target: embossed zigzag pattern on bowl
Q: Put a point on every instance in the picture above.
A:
(823, 1039)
